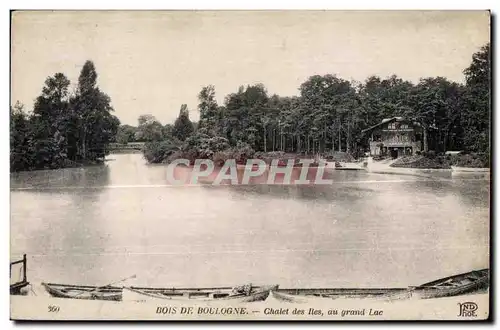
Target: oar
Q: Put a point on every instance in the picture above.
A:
(101, 287)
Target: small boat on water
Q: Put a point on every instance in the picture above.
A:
(470, 169)
(83, 292)
(454, 285)
(244, 293)
(349, 166)
(307, 295)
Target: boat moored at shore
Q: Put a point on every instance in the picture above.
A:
(245, 293)
(83, 292)
(456, 285)
(306, 295)
(453, 285)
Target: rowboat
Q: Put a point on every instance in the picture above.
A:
(284, 297)
(349, 167)
(245, 293)
(83, 291)
(470, 169)
(454, 285)
(308, 295)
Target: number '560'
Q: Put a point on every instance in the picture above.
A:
(53, 309)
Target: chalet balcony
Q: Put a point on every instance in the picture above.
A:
(379, 148)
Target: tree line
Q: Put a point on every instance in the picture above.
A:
(64, 128)
(67, 128)
(329, 115)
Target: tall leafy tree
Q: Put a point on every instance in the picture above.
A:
(92, 109)
(183, 127)
(209, 122)
(50, 122)
(330, 106)
(243, 113)
(168, 131)
(477, 101)
(20, 156)
(125, 134)
(149, 129)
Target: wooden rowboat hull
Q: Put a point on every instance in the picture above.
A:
(469, 169)
(143, 295)
(429, 293)
(309, 295)
(83, 292)
(454, 285)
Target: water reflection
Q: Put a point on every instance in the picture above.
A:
(100, 224)
(95, 177)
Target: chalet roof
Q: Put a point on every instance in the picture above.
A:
(384, 121)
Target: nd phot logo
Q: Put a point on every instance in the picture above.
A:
(467, 309)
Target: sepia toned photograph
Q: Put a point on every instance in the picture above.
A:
(278, 165)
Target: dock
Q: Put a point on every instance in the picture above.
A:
(15, 288)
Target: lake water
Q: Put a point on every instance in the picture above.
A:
(100, 224)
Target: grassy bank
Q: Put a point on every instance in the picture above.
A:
(433, 161)
(218, 149)
(125, 151)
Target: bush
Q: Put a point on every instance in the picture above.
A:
(479, 160)
(258, 155)
(158, 151)
(431, 154)
(267, 157)
(205, 146)
(220, 157)
(340, 156)
(242, 152)
(421, 162)
(179, 154)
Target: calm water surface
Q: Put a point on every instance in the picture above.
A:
(100, 224)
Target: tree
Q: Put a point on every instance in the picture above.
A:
(92, 110)
(20, 158)
(242, 116)
(383, 98)
(328, 104)
(183, 127)
(149, 129)
(126, 134)
(168, 131)
(87, 81)
(209, 114)
(63, 128)
(331, 113)
(476, 115)
(50, 122)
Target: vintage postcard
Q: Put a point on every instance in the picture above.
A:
(250, 165)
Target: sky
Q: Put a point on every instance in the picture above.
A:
(152, 62)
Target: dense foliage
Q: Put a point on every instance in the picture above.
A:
(183, 127)
(63, 129)
(329, 115)
(331, 112)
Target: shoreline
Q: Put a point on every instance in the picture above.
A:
(35, 308)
